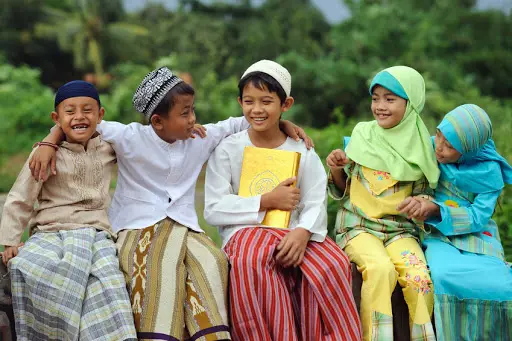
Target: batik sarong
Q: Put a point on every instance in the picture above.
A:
(67, 285)
(178, 280)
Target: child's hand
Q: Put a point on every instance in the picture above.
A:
(418, 208)
(337, 159)
(198, 130)
(10, 252)
(42, 157)
(291, 249)
(296, 132)
(410, 207)
(283, 197)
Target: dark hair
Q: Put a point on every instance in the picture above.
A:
(261, 80)
(169, 99)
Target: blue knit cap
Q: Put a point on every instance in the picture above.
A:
(76, 89)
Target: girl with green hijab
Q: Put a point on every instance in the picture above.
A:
(386, 161)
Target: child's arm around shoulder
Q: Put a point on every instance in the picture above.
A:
(222, 129)
(113, 132)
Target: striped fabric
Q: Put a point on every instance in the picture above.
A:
(312, 303)
(67, 286)
(472, 319)
(382, 327)
(468, 127)
(177, 281)
(461, 224)
(351, 221)
(480, 168)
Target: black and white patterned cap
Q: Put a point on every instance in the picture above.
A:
(153, 89)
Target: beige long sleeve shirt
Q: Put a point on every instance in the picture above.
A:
(74, 198)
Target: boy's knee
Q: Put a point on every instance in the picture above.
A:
(217, 258)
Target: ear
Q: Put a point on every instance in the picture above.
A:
(55, 117)
(156, 122)
(101, 114)
(239, 101)
(288, 102)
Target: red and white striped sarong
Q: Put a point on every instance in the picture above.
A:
(269, 302)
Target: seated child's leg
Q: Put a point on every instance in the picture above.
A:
(379, 281)
(260, 304)
(328, 310)
(414, 278)
(473, 292)
(153, 261)
(206, 303)
(47, 304)
(106, 296)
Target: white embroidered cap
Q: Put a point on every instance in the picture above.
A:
(153, 89)
(274, 70)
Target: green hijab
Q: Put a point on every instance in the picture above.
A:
(405, 151)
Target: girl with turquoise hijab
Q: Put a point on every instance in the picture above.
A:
(385, 161)
(473, 298)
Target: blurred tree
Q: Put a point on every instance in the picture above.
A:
(85, 28)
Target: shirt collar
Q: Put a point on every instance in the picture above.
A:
(93, 143)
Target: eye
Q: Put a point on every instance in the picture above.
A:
(267, 102)
(390, 100)
(247, 102)
(374, 99)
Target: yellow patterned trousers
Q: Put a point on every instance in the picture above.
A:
(381, 267)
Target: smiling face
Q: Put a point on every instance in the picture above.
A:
(262, 108)
(387, 108)
(78, 118)
(179, 122)
(445, 153)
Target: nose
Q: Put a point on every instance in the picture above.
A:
(192, 118)
(79, 115)
(381, 105)
(257, 108)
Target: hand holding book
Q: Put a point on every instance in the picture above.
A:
(283, 197)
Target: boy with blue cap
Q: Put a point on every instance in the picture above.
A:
(67, 274)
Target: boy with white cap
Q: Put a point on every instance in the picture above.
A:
(176, 275)
(285, 284)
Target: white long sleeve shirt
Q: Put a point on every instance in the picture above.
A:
(231, 213)
(157, 179)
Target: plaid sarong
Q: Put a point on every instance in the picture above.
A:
(67, 285)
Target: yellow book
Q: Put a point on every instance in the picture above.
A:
(263, 170)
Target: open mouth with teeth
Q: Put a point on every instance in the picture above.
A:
(259, 119)
(80, 127)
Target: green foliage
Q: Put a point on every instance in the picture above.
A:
(463, 53)
(25, 107)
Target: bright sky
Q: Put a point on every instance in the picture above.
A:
(334, 10)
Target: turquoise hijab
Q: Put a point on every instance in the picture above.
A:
(480, 169)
